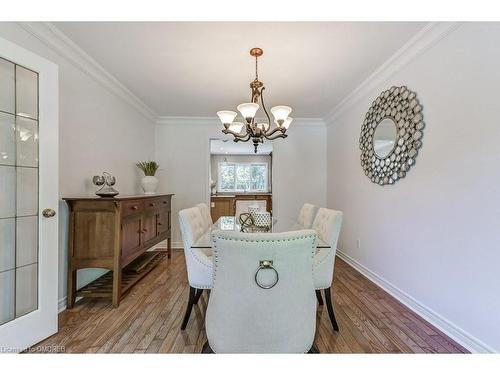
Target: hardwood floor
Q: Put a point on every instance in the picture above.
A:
(148, 319)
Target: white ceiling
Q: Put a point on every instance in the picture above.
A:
(198, 68)
(229, 147)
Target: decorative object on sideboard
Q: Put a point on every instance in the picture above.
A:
(250, 129)
(391, 135)
(106, 182)
(149, 182)
(213, 187)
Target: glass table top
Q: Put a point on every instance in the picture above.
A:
(230, 223)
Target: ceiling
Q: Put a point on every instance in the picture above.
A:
(198, 68)
(229, 147)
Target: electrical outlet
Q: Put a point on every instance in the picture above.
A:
(358, 243)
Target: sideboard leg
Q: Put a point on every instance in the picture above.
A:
(117, 286)
(70, 301)
(169, 248)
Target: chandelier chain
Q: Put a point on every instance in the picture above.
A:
(256, 70)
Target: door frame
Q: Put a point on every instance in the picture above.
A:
(31, 328)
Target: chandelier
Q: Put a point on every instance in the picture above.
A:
(251, 129)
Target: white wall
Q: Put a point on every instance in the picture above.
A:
(299, 163)
(97, 132)
(435, 233)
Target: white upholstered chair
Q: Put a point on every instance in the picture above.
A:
(243, 204)
(243, 317)
(199, 265)
(205, 213)
(327, 224)
(306, 216)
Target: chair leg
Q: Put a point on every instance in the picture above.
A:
(319, 298)
(313, 350)
(207, 349)
(197, 296)
(328, 298)
(192, 292)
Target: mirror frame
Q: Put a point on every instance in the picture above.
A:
(402, 106)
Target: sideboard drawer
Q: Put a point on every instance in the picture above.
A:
(165, 203)
(132, 207)
(153, 204)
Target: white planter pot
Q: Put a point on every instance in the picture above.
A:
(149, 184)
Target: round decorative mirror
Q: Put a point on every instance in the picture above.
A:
(385, 137)
(391, 135)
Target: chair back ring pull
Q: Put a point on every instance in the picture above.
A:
(266, 264)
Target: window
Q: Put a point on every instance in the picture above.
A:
(242, 177)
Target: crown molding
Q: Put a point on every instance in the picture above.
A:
(51, 36)
(193, 120)
(430, 34)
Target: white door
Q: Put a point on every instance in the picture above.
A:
(28, 188)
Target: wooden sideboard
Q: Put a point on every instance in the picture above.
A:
(111, 233)
(225, 205)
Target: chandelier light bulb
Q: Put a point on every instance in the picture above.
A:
(280, 113)
(287, 122)
(236, 127)
(248, 110)
(226, 117)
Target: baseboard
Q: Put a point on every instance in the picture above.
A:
(61, 305)
(465, 339)
(177, 245)
(159, 245)
(163, 244)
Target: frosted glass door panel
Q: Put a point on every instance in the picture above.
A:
(27, 191)
(7, 244)
(7, 192)
(27, 142)
(7, 86)
(26, 240)
(26, 92)
(7, 296)
(26, 289)
(7, 139)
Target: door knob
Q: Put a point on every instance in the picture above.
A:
(48, 212)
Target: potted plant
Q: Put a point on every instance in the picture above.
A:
(149, 182)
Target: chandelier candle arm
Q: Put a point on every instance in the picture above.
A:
(280, 129)
(279, 135)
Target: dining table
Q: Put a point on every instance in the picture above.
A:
(232, 224)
